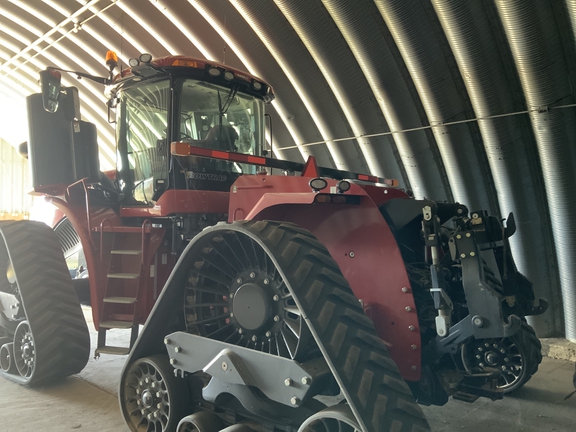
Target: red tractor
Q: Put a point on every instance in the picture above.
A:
(324, 301)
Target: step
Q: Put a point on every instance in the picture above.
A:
(116, 324)
(126, 252)
(114, 350)
(120, 300)
(123, 275)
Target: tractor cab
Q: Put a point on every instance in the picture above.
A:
(179, 99)
(154, 104)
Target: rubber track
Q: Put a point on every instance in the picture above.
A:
(367, 375)
(61, 337)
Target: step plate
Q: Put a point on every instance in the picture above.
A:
(113, 350)
(120, 300)
(123, 275)
(116, 324)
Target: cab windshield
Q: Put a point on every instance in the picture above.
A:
(204, 115)
(221, 119)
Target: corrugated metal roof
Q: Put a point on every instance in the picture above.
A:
(464, 100)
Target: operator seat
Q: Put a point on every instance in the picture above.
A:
(221, 137)
(205, 173)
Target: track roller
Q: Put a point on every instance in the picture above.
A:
(202, 421)
(7, 358)
(152, 397)
(334, 418)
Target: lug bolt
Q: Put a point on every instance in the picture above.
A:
(506, 359)
(502, 350)
(487, 345)
(166, 341)
(472, 253)
(480, 349)
(254, 338)
(231, 295)
(138, 402)
(172, 361)
(266, 281)
(143, 412)
(306, 381)
(177, 349)
(239, 280)
(481, 364)
(268, 334)
(153, 385)
(458, 236)
(158, 394)
(149, 416)
(463, 255)
(138, 391)
(468, 235)
(411, 328)
(504, 367)
(231, 314)
(159, 406)
(294, 400)
(156, 414)
(240, 331)
(408, 309)
(141, 382)
(276, 297)
(252, 275)
(147, 380)
(288, 382)
(404, 289)
(276, 318)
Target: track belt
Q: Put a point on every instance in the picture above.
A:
(368, 377)
(51, 306)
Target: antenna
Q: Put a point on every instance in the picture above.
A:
(224, 48)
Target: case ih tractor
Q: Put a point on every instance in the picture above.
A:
(322, 301)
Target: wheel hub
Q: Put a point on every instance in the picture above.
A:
(26, 350)
(492, 359)
(147, 399)
(251, 306)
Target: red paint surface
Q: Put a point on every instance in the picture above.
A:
(376, 272)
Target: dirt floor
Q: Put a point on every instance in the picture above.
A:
(88, 403)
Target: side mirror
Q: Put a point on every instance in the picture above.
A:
(50, 85)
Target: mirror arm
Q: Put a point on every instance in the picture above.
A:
(96, 79)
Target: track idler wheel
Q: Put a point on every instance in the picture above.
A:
(335, 418)
(202, 421)
(7, 358)
(153, 399)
